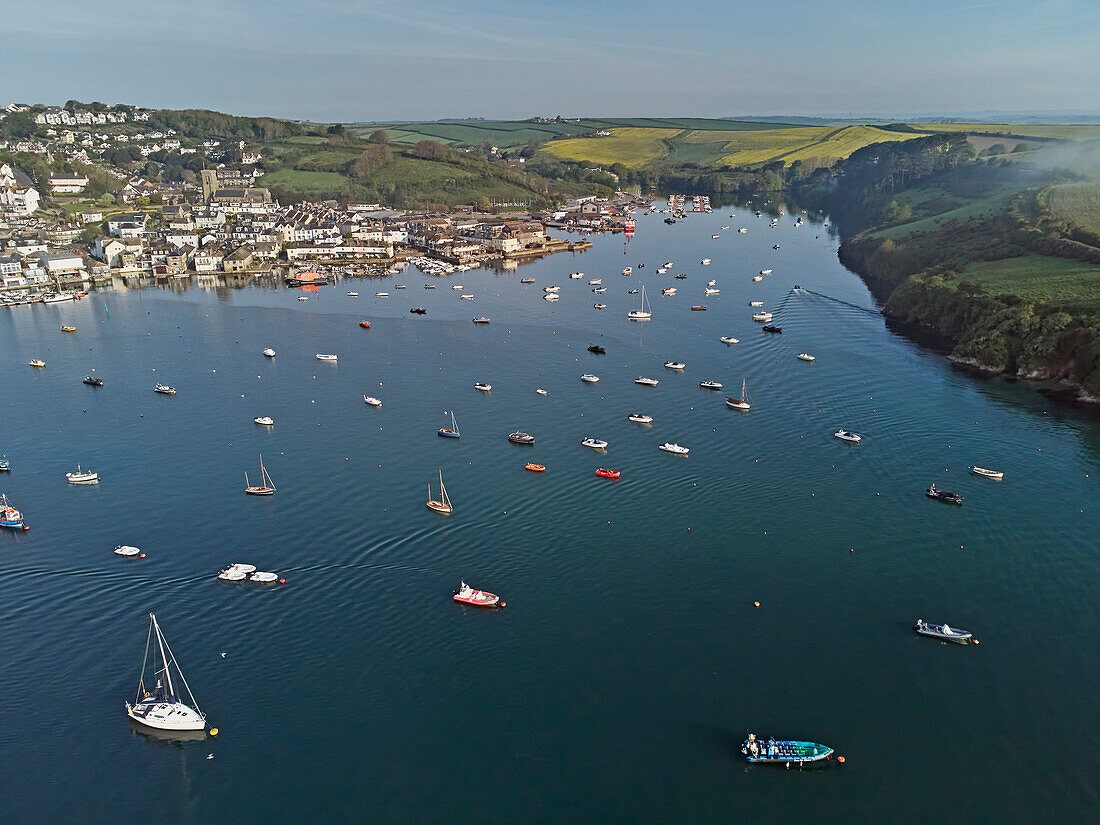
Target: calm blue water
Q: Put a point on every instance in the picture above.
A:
(631, 662)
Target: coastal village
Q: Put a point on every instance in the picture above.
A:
(58, 240)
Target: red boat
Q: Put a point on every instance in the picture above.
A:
(604, 473)
(477, 598)
(365, 324)
(535, 468)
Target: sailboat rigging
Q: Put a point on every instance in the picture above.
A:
(644, 311)
(266, 487)
(161, 707)
(444, 503)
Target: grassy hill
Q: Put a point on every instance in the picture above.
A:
(722, 146)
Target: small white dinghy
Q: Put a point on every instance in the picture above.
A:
(594, 443)
(850, 437)
(127, 551)
(261, 577)
(996, 475)
(640, 418)
(710, 385)
(353, 294)
(483, 387)
(676, 449)
(646, 382)
(805, 356)
(381, 295)
(237, 572)
(371, 401)
(944, 632)
(729, 339)
(327, 356)
(589, 378)
(711, 291)
(541, 391)
(756, 303)
(269, 352)
(674, 365)
(264, 420)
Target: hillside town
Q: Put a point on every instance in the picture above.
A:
(62, 238)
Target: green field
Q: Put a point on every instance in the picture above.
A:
(637, 147)
(1054, 281)
(1067, 132)
(1076, 203)
(307, 183)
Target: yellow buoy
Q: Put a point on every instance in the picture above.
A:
(213, 731)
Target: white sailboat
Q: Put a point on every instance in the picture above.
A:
(160, 707)
(644, 312)
(741, 403)
(444, 503)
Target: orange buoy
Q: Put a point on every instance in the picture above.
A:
(141, 555)
(840, 760)
(756, 604)
(975, 641)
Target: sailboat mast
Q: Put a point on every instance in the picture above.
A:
(164, 658)
(443, 490)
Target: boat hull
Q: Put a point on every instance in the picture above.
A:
(166, 716)
(787, 752)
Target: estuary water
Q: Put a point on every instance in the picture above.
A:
(632, 660)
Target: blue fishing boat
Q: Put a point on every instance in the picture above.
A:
(783, 751)
(452, 431)
(9, 516)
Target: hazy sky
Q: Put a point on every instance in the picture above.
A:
(354, 60)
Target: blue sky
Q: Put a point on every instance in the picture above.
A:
(352, 60)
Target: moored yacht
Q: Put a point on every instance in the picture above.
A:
(594, 443)
(646, 382)
(670, 447)
(164, 389)
(269, 352)
(640, 418)
(80, 476)
(589, 378)
(160, 705)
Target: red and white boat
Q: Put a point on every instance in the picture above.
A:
(605, 473)
(477, 598)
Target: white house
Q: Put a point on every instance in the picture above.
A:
(17, 196)
(68, 184)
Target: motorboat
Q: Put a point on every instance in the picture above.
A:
(477, 598)
(603, 472)
(457, 287)
(668, 290)
(68, 329)
(371, 401)
(80, 476)
(451, 431)
(575, 276)
(321, 356)
(943, 495)
(264, 421)
(418, 311)
(303, 297)
(757, 278)
(632, 292)
(429, 286)
(9, 516)
(599, 306)
(237, 572)
(353, 294)
(270, 353)
(741, 403)
(481, 319)
(805, 356)
(160, 706)
(264, 577)
(599, 290)
(589, 378)
(681, 277)
(775, 246)
(594, 281)
(535, 468)
(164, 389)
(526, 280)
(521, 438)
(743, 230)
(699, 308)
(37, 362)
(944, 632)
(765, 272)
(627, 270)
(661, 270)
(712, 282)
(464, 297)
(756, 303)
(996, 475)
(643, 312)
(443, 505)
(710, 385)
(483, 387)
(669, 447)
(381, 295)
(667, 264)
(640, 418)
(773, 330)
(729, 339)
(711, 291)
(783, 751)
(5, 465)
(847, 435)
(706, 261)
(597, 349)
(553, 296)
(400, 286)
(306, 277)
(266, 487)
(646, 382)
(92, 380)
(541, 391)
(127, 551)
(551, 289)
(594, 443)
(674, 365)
(57, 297)
(364, 324)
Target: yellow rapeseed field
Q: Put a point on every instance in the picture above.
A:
(633, 147)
